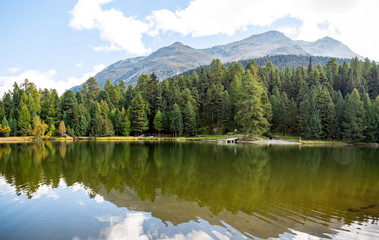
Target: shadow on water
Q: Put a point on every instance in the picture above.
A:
(260, 191)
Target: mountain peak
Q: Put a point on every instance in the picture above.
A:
(177, 44)
(270, 36)
(273, 33)
(328, 39)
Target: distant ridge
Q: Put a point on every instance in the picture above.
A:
(279, 61)
(177, 58)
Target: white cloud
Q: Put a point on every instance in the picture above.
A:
(41, 79)
(349, 21)
(79, 64)
(121, 32)
(73, 81)
(46, 79)
(14, 69)
(291, 32)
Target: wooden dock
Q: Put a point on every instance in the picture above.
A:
(228, 140)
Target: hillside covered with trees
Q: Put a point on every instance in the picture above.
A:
(331, 102)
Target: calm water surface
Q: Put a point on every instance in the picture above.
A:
(92, 190)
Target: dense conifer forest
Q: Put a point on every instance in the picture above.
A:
(339, 102)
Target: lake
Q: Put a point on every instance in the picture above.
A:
(118, 190)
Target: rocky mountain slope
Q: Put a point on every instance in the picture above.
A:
(176, 58)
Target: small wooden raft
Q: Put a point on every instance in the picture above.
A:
(227, 140)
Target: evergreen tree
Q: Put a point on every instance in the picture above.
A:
(250, 113)
(292, 119)
(125, 125)
(176, 121)
(354, 115)
(166, 122)
(315, 126)
(158, 121)
(84, 124)
(23, 120)
(227, 117)
(189, 120)
(102, 127)
(304, 118)
(70, 107)
(340, 109)
(139, 119)
(117, 123)
(13, 126)
(369, 123)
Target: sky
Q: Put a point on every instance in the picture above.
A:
(59, 44)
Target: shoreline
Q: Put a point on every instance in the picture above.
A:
(207, 138)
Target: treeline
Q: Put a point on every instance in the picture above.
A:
(331, 102)
(279, 61)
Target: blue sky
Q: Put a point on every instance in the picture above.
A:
(58, 44)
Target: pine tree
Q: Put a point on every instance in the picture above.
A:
(117, 122)
(158, 124)
(176, 125)
(102, 127)
(126, 125)
(139, 119)
(354, 115)
(250, 113)
(304, 117)
(189, 118)
(13, 126)
(292, 119)
(84, 124)
(369, 123)
(315, 126)
(326, 109)
(166, 122)
(227, 117)
(70, 107)
(283, 116)
(23, 120)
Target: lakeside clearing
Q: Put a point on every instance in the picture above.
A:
(275, 140)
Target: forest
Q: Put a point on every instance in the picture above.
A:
(334, 102)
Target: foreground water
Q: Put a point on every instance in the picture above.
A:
(90, 190)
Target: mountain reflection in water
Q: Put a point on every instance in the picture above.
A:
(192, 189)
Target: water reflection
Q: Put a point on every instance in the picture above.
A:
(259, 191)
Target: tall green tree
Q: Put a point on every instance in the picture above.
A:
(158, 121)
(125, 125)
(176, 121)
(139, 119)
(23, 120)
(354, 115)
(250, 113)
(315, 126)
(189, 118)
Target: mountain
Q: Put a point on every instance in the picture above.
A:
(176, 58)
(328, 47)
(165, 62)
(269, 43)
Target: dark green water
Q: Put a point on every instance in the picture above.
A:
(90, 190)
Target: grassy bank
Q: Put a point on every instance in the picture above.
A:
(204, 138)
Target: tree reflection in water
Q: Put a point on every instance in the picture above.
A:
(254, 189)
